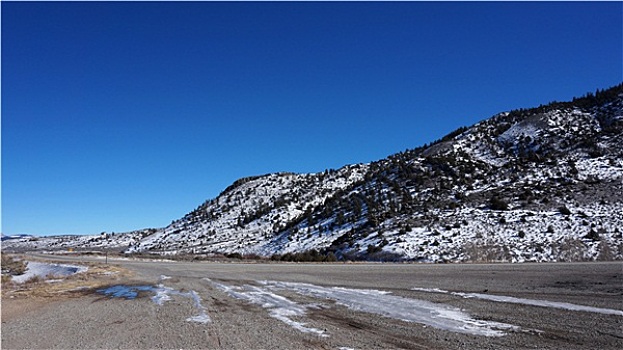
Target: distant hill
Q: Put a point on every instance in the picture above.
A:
(539, 184)
(4, 237)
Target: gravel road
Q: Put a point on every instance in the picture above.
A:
(204, 305)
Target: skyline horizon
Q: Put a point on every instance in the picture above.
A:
(286, 171)
(122, 116)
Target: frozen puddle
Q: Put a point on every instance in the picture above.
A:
(279, 307)
(161, 295)
(533, 302)
(125, 292)
(371, 301)
(44, 270)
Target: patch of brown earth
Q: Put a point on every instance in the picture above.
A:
(96, 276)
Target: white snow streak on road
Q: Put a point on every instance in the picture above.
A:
(164, 294)
(533, 302)
(280, 307)
(411, 310)
(364, 300)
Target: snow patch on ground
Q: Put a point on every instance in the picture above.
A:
(279, 307)
(364, 300)
(46, 269)
(429, 290)
(202, 317)
(543, 303)
(533, 302)
(163, 294)
(600, 168)
(411, 310)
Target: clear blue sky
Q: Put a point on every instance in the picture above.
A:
(120, 116)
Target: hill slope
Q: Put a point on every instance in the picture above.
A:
(542, 184)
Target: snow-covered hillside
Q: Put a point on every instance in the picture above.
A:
(542, 184)
(250, 213)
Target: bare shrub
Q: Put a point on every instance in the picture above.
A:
(12, 266)
(33, 280)
(6, 281)
(487, 252)
(569, 250)
(605, 252)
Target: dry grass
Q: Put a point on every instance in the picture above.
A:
(12, 266)
(487, 252)
(96, 276)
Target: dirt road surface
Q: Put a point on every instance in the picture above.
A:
(200, 305)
